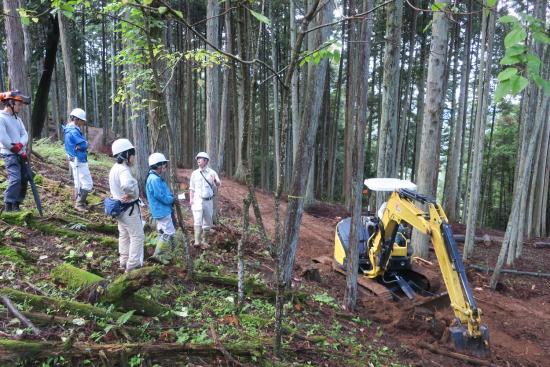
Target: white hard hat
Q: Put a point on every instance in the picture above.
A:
(79, 113)
(157, 158)
(202, 155)
(121, 145)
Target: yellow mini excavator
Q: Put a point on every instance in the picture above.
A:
(385, 257)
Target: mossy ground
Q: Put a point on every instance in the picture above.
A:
(314, 332)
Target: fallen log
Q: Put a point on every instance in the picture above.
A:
(541, 244)
(11, 350)
(25, 218)
(251, 287)
(44, 319)
(72, 307)
(120, 292)
(511, 271)
(485, 239)
(15, 312)
(459, 356)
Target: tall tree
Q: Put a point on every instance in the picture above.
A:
(213, 84)
(387, 135)
(40, 107)
(360, 43)
(18, 76)
(482, 98)
(452, 174)
(68, 64)
(428, 164)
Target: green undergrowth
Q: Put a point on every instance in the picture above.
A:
(54, 153)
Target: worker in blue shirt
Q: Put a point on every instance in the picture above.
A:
(76, 148)
(160, 206)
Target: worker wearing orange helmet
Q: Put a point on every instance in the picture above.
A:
(13, 142)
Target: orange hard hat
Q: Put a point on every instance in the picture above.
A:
(16, 96)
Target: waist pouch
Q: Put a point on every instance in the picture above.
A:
(114, 208)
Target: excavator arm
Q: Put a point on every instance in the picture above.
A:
(400, 208)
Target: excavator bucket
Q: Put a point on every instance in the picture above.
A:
(478, 346)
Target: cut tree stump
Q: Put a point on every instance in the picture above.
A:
(119, 292)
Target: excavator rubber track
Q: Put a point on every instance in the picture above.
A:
(430, 281)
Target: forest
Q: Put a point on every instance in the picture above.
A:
(296, 103)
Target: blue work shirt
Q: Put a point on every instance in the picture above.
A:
(159, 196)
(73, 138)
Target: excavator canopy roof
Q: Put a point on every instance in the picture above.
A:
(388, 184)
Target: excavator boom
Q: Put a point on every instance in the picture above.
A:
(381, 248)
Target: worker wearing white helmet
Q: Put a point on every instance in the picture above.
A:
(76, 148)
(203, 185)
(160, 207)
(124, 187)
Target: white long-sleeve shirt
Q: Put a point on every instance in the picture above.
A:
(200, 188)
(121, 183)
(12, 130)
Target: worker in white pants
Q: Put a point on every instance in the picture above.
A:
(76, 147)
(203, 186)
(124, 187)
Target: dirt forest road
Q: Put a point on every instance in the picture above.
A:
(316, 232)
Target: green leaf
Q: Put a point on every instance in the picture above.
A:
(541, 37)
(427, 27)
(179, 14)
(541, 83)
(162, 10)
(506, 74)
(123, 319)
(262, 18)
(508, 19)
(533, 64)
(518, 83)
(438, 6)
(516, 50)
(491, 3)
(147, 2)
(502, 90)
(510, 60)
(25, 21)
(515, 36)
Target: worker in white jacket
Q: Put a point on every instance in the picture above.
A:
(124, 187)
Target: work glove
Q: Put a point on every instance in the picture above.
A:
(24, 156)
(16, 147)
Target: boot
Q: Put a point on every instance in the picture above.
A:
(198, 230)
(162, 251)
(80, 204)
(15, 207)
(204, 242)
(8, 207)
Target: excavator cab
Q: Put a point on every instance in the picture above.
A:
(385, 257)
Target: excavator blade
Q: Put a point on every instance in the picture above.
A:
(370, 285)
